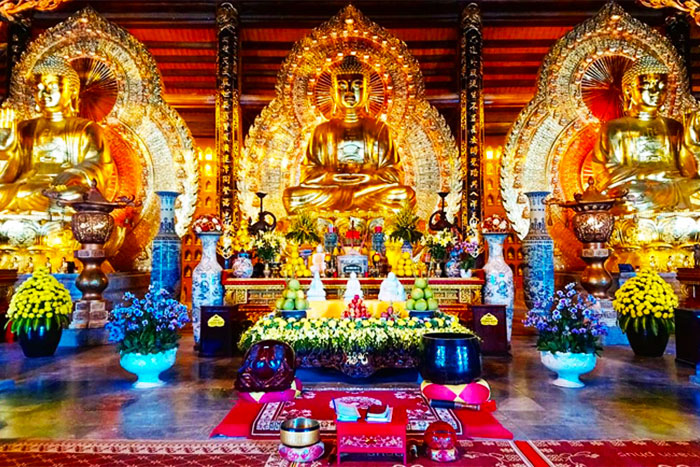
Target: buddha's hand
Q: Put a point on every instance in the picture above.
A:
(350, 179)
(8, 129)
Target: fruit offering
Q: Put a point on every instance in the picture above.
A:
(356, 309)
(242, 241)
(391, 314)
(406, 267)
(294, 266)
(422, 297)
(292, 298)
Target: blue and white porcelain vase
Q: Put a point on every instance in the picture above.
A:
(206, 281)
(452, 267)
(147, 367)
(568, 367)
(243, 266)
(498, 287)
(538, 251)
(165, 269)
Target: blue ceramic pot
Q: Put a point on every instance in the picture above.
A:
(40, 342)
(148, 367)
(450, 358)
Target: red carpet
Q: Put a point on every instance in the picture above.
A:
(263, 421)
(247, 453)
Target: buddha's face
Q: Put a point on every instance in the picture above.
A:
(54, 93)
(649, 91)
(350, 91)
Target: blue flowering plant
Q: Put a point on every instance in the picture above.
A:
(573, 323)
(149, 325)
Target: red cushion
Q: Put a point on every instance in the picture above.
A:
(477, 392)
(273, 396)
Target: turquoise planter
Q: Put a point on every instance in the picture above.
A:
(148, 367)
(568, 367)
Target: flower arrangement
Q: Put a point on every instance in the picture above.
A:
(349, 335)
(303, 229)
(267, 246)
(438, 244)
(495, 224)
(404, 226)
(149, 325)
(573, 324)
(466, 252)
(207, 223)
(646, 301)
(41, 300)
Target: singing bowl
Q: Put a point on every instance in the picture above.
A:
(450, 358)
(300, 432)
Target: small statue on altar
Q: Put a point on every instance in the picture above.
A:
(352, 288)
(352, 162)
(318, 261)
(392, 290)
(655, 158)
(58, 150)
(316, 291)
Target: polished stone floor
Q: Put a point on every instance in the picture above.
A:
(86, 394)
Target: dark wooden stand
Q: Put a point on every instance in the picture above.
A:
(222, 327)
(489, 323)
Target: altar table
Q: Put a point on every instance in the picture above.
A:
(256, 297)
(365, 437)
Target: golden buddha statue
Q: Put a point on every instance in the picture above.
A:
(653, 157)
(351, 163)
(57, 150)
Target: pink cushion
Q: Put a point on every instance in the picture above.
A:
(477, 392)
(274, 396)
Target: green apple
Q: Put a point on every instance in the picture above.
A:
(421, 305)
(432, 304)
(420, 283)
(300, 294)
(294, 284)
(288, 305)
(290, 294)
(410, 304)
(300, 304)
(279, 303)
(428, 293)
(417, 293)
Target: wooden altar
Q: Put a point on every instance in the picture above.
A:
(255, 297)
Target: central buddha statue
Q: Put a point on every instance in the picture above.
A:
(351, 163)
(58, 150)
(653, 157)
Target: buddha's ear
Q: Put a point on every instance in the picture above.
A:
(365, 82)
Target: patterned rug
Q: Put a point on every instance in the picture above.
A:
(264, 421)
(247, 453)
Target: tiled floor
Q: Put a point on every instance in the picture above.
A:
(86, 394)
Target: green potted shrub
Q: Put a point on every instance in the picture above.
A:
(645, 306)
(39, 311)
(404, 227)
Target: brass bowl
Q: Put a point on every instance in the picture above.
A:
(300, 432)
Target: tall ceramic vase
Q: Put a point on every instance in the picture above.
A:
(165, 270)
(538, 250)
(206, 281)
(499, 288)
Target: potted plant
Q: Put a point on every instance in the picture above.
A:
(438, 244)
(463, 258)
(147, 333)
(645, 306)
(303, 231)
(268, 246)
(568, 335)
(39, 311)
(404, 227)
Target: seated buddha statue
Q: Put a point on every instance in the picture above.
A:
(57, 150)
(351, 163)
(653, 157)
